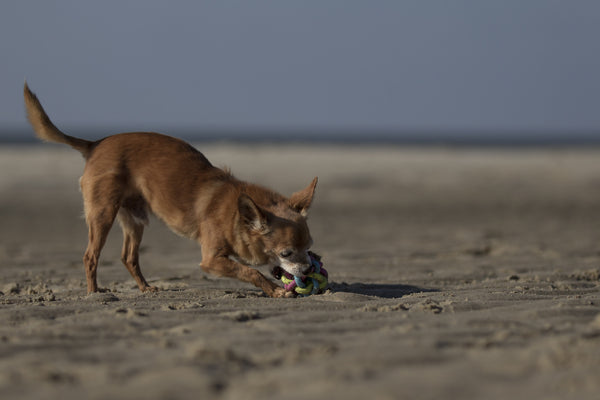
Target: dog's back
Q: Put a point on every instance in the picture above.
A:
(170, 176)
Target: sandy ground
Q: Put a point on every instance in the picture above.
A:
(455, 274)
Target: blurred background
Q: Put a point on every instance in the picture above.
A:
(508, 72)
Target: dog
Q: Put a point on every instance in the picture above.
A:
(238, 225)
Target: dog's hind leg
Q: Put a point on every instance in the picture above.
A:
(132, 218)
(99, 223)
(101, 199)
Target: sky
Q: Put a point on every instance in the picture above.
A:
(480, 66)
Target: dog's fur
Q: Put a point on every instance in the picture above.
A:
(237, 224)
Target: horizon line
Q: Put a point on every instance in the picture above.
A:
(485, 137)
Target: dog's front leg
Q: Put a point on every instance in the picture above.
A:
(223, 266)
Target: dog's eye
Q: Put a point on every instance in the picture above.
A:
(286, 253)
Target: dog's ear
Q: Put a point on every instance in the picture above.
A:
(251, 214)
(300, 201)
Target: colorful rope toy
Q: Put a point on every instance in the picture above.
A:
(312, 283)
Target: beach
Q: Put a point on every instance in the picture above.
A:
(455, 273)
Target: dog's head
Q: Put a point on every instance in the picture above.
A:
(280, 231)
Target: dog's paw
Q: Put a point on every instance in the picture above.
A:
(282, 293)
(150, 289)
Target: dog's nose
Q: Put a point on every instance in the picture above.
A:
(306, 269)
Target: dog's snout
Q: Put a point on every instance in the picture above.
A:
(299, 265)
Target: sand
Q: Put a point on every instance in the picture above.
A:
(455, 274)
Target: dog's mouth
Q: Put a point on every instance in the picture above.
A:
(278, 271)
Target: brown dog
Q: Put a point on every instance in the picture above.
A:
(237, 224)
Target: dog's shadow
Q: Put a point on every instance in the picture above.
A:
(383, 290)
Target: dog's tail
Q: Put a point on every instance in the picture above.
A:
(45, 129)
